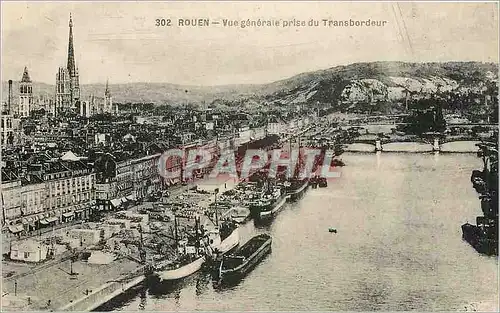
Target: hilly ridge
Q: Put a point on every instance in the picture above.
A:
(359, 82)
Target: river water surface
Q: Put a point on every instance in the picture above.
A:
(398, 246)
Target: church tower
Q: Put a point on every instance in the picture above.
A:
(68, 80)
(25, 94)
(72, 69)
(108, 100)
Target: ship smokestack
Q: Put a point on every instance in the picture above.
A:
(9, 101)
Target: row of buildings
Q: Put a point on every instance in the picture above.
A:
(46, 184)
(44, 191)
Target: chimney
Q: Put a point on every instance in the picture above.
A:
(9, 101)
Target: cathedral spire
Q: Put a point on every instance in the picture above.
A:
(106, 92)
(71, 52)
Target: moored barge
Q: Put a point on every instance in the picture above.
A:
(236, 265)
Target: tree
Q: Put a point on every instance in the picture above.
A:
(424, 120)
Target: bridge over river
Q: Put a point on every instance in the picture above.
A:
(380, 136)
(455, 144)
(387, 127)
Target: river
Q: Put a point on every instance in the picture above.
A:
(398, 246)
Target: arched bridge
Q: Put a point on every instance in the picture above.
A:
(371, 143)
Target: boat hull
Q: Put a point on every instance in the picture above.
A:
(241, 219)
(478, 240)
(295, 194)
(243, 269)
(182, 271)
(276, 208)
(231, 242)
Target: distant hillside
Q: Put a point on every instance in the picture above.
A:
(158, 93)
(360, 82)
(382, 81)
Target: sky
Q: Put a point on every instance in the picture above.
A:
(120, 42)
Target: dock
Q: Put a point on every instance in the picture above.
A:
(102, 295)
(94, 285)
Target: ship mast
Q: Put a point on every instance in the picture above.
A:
(216, 208)
(176, 235)
(142, 251)
(182, 163)
(195, 230)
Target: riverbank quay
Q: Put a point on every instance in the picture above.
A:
(54, 287)
(30, 287)
(106, 292)
(64, 282)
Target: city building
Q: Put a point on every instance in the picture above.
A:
(29, 250)
(45, 103)
(98, 105)
(107, 105)
(67, 80)
(9, 127)
(243, 135)
(123, 180)
(11, 198)
(70, 190)
(146, 176)
(276, 127)
(33, 197)
(48, 193)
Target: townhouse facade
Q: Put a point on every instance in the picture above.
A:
(59, 193)
(127, 180)
(9, 130)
